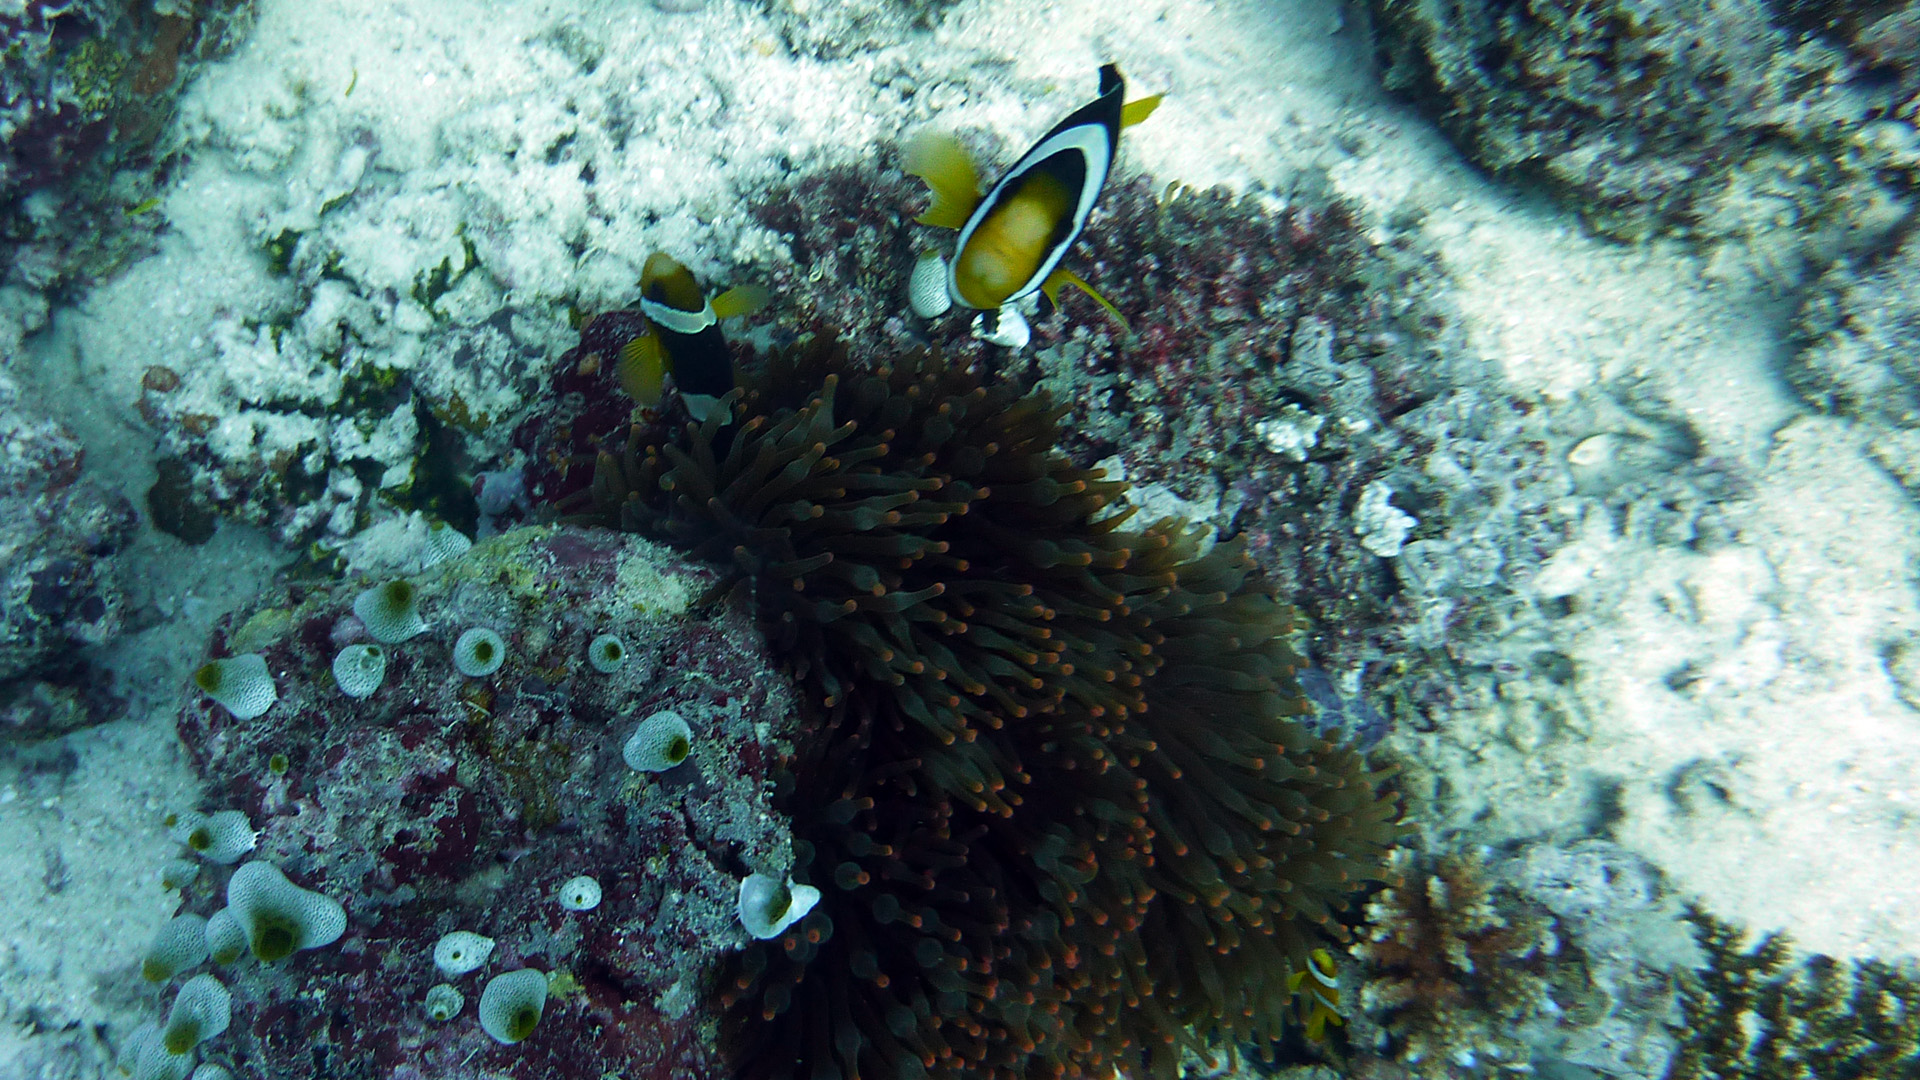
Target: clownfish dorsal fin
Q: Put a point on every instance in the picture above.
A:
(740, 300)
(937, 158)
(1062, 276)
(1135, 111)
(642, 369)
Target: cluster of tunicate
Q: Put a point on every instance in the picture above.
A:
(265, 912)
(485, 823)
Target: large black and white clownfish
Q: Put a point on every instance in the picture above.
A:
(683, 337)
(1013, 238)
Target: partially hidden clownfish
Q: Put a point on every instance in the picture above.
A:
(683, 338)
(1318, 987)
(1013, 238)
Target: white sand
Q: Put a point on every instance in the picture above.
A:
(1773, 783)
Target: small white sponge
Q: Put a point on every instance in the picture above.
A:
(279, 917)
(180, 944)
(605, 654)
(358, 670)
(511, 1005)
(391, 612)
(201, 1010)
(444, 1002)
(241, 683)
(662, 741)
(226, 942)
(444, 542)
(768, 906)
(144, 1056)
(479, 652)
(927, 289)
(223, 837)
(580, 894)
(462, 951)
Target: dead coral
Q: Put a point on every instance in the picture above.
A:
(1751, 1016)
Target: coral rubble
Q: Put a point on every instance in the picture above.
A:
(440, 802)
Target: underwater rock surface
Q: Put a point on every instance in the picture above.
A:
(58, 534)
(1733, 121)
(441, 802)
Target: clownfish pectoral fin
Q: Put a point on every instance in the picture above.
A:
(740, 300)
(1062, 276)
(938, 158)
(642, 369)
(1135, 111)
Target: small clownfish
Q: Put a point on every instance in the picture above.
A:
(684, 337)
(1319, 1004)
(1013, 238)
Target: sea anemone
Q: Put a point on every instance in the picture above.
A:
(1052, 770)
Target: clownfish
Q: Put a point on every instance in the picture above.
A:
(683, 337)
(1013, 238)
(1319, 1004)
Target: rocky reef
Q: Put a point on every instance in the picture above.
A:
(1787, 125)
(428, 801)
(59, 532)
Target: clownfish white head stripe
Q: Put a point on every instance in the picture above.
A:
(1013, 238)
(683, 337)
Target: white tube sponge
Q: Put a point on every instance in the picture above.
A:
(358, 670)
(278, 917)
(180, 944)
(511, 1005)
(444, 542)
(479, 652)
(144, 1057)
(605, 654)
(662, 741)
(226, 942)
(462, 951)
(391, 612)
(768, 906)
(927, 288)
(580, 894)
(201, 1010)
(241, 683)
(210, 1071)
(444, 1002)
(222, 837)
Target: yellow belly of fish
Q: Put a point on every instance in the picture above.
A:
(1005, 251)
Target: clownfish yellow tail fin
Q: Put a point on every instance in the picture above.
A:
(1062, 276)
(740, 300)
(1135, 111)
(642, 369)
(938, 158)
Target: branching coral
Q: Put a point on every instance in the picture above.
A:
(1045, 747)
(1452, 971)
(1751, 1017)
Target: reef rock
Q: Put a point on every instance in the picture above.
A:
(441, 802)
(58, 533)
